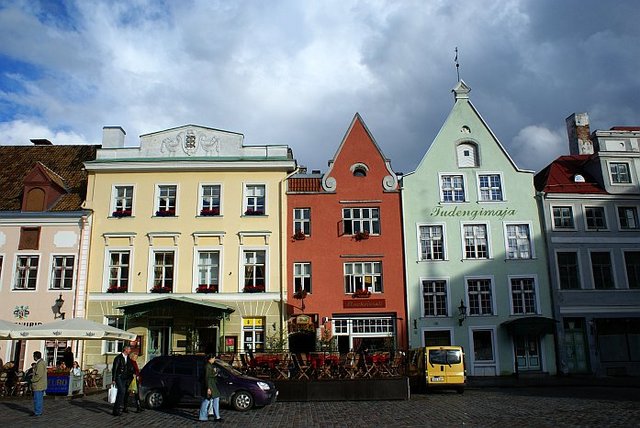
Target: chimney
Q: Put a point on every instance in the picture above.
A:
(113, 137)
(579, 135)
(41, 142)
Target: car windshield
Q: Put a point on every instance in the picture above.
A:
(228, 368)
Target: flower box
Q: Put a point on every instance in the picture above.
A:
(158, 289)
(204, 288)
(299, 236)
(361, 294)
(253, 289)
(208, 212)
(116, 289)
(121, 213)
(359, 236)
(166, 213)
(300, 295)
(251, 211)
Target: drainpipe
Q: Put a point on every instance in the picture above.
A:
(283, 261)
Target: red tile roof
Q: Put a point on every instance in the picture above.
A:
(307, 184)
(64, 163)
(559, 176)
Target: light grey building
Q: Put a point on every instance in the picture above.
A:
(590, 201)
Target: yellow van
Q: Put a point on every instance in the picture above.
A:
(439, 367)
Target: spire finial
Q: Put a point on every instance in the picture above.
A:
(457, 64)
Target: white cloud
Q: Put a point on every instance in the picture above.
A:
(535, 146)
(20, 133)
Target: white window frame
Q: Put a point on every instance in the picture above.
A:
(364, 224)
(484, 363)
(536, 292)
(635, 211)
(373, 274)
(241, 266)
(151, 271)
(604, 217)
(506, 225)
(611, 173)
(196, 265)
(579, 268)
(105, 343)
(114, 198)
(488, 238)
(15, 271)
(492, 284)
(51, 277)
(447, 290)
(303, 275)
(201, 187)
(299, 223)
(573, 217)
(156, 207)
(246, 196)
(445, 248)
(490, 173)
(107, 266)
(611, 265)
(441, 175)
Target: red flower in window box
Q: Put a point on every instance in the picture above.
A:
(299, 236)
(160, 289)
(258, 288)
(210, 211)
(361, 293)
(121, 213)
(166, 213)
(300, 295)
(207, 288)
(359, 236)
(251, 211)
(116, 289)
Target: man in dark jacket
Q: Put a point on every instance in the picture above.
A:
(122, 373)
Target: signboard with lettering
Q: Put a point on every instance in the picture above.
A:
(472, 214)
(364, 303)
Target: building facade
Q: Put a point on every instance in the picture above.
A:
(344, 264)
(476, 268)
(189, 241)
(44, 242)
(590, 201)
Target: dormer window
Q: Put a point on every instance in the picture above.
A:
(35, 200)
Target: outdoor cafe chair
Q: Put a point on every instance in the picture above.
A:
(280, 369)
(302, 366)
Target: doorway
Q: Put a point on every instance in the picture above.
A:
(527, 349)
(575, 346)
(159, 341)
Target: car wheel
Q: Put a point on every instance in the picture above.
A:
(460, 390)
(242, 401)
(155, 400)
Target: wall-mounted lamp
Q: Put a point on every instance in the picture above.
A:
(462, 313)
(57, 306)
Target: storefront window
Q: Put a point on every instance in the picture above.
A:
(253, 333)
(483, 346)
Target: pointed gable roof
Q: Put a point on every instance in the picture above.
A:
(61, 164)
(560, 176)
(390, 181)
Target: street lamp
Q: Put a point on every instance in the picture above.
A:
(57, 306)
(462, 313)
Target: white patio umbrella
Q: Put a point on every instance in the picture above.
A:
(8, 330)
(73, 328)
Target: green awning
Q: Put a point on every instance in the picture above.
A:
(139, 308)
(537, 326)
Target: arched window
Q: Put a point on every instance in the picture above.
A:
(359, 170)
(35, 200)
(467, 155)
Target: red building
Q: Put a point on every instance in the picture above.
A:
(345, 250)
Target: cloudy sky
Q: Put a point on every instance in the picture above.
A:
(295, 72)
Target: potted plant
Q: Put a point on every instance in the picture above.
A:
(121, 213)
(299, 235)
(361, 293)
(251, 211)
(207, 288)
(117, 289)
(258, 288)
(160, 289)
(210, 211)
(166, 212)
(359, 236)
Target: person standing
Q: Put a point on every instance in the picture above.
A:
(135, 383)
(38, 383)
(67, 357)
(210, 391)
(122, 372)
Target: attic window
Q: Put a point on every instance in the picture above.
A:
(359, 170)
(467, 155)
(35, 200)
(578, 178)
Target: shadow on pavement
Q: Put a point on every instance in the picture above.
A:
(92, 406)
(18, 407)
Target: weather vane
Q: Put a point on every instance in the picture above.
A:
(457, 64)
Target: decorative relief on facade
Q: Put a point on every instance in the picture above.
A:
(65, 239)
(329, 184)
(21, 312)
(389, 182)
(190, 142)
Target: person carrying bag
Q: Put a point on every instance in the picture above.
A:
(122, 372)
(134, 385)
(210, 393)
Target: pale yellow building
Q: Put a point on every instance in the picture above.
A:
(188, 241)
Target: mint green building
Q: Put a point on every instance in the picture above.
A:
(475, 257)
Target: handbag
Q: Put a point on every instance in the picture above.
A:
(112, 394)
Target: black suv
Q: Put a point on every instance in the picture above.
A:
(178, 379)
